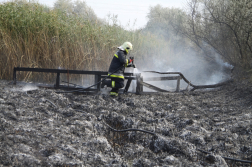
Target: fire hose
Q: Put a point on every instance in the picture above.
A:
(155, 134)
(125, 130)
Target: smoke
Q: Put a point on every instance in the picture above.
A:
(176, 53)
(105, 91)
(29, 87)
(191, 63)
(24, 87)
(196, 69)
(221, 72)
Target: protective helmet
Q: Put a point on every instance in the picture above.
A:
(127, 46)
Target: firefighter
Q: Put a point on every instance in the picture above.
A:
(117, 67)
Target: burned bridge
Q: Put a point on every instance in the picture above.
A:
(101, 75)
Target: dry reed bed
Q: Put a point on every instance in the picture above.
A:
(32, 35)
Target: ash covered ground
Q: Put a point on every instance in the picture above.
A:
(42, 128)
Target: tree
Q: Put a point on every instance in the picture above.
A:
(64, 5)
(165, 21)
(82, 10)
(78, 8)
(224, 25)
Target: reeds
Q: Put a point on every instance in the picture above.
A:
(32, 35)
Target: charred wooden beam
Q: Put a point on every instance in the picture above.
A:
(139, 87)
(152, 87)
(194, 86)
(162, 78)
(64, 71)
(127, 86)
(98, 76)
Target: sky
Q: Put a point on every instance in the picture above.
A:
(131, 13)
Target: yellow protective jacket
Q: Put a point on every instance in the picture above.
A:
(119, 62)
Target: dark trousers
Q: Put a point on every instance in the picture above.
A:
(115, 84)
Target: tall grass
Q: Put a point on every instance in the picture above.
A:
(32, 35)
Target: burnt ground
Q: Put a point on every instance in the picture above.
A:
(43, 128)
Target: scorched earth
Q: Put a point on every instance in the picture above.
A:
(43, 128)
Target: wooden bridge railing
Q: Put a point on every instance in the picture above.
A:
(99, 75)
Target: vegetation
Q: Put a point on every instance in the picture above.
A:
(71, 36)
(221, 27)
(32, 35)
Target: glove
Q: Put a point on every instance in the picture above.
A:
(131, 59)
(134, 66)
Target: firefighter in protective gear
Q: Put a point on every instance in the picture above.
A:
(117, 67)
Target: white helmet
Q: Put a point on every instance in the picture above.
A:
(127, 46)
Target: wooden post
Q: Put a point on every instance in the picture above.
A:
(127, 86)
(139, 87)
(98, 79)
(178, 84)
(14, 76)
(57, 80)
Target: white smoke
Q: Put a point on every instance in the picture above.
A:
(29, 87)
(24, 87)
(195, 68)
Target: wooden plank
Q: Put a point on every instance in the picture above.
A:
(141, 85)
(125, 77)
(190, 84)
(162, 78)
(59, 71)
(57, 80)
(65, 71)
(14, 76)
(153, 87)
(138, 87)
(127, 86)
(98, 79)
(178, 84)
